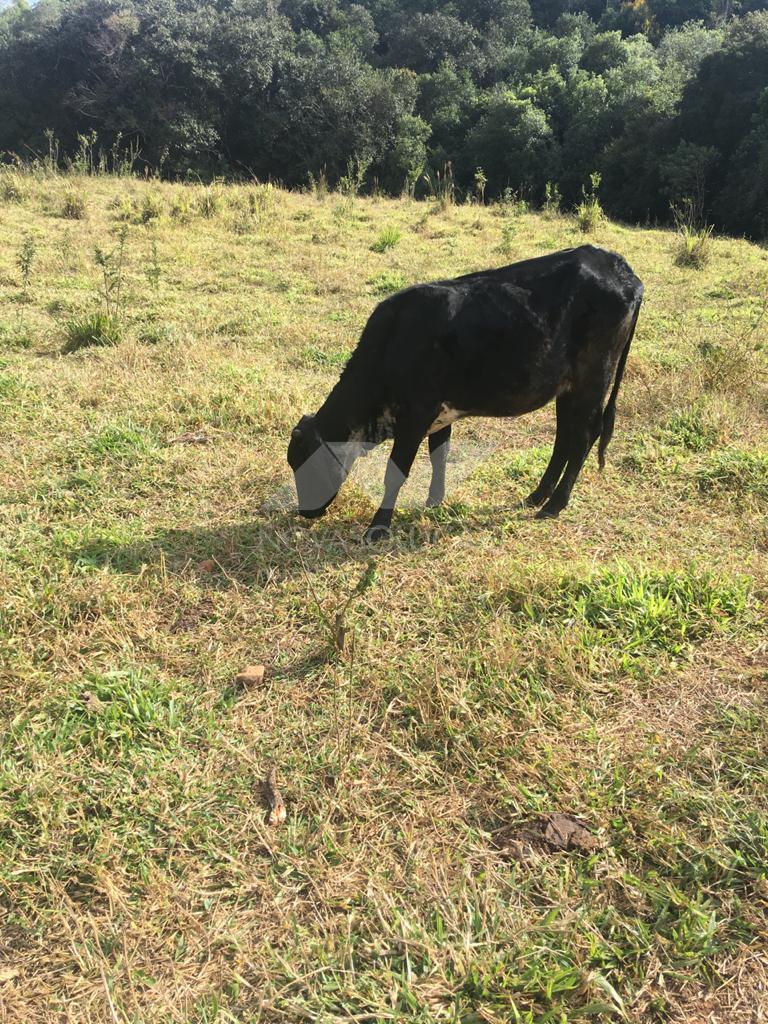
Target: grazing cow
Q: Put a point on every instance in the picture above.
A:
(495, 343)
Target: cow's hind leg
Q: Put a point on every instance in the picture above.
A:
(559, 457)
(583, 431)
(439, 448)
(398, 467)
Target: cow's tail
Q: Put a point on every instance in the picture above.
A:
(609, 413)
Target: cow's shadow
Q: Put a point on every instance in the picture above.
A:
(255, 551)
(271, 547)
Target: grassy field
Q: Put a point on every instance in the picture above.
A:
(612, 664)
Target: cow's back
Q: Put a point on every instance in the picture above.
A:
(504, 327)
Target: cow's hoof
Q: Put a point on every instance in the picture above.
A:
(434, 502)
(376, 533)
(534, 500)
(548, 512)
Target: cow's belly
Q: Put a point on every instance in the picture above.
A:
(512, 404)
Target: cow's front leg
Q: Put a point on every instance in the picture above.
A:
(399, 466)
(439, 449)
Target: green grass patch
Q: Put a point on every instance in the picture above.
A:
(387, 282)
(120, 443)
(641, 612)
(98, 330)
(388, 239)
(15, 337)
(735, 472)
(325, 358)
(689, 429)
(10, 386)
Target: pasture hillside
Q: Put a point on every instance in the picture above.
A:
(423, 702)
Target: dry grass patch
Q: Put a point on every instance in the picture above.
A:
(493, 669)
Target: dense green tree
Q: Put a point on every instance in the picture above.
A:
(631, 182)
(562, 52)
(685, 174)
(630, 17)
(665, 97)
(743, 201)
(514, 144)
(724, 107)
(587, 119)
(422, 42)
(449, 103)
(719, 103)
(680, 53)
(605, 51)
(357, 113)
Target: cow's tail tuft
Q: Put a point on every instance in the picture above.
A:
(609, 413)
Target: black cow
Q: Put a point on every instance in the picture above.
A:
(496, 343)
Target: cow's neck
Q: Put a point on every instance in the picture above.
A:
(346, 415)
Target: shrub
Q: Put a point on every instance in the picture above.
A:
(25, 260)
(693, 248)
(388, 239)
(153, 268)
(552, 199)
(98, 330)
(728, 366)
(318, 186)
(589, 212)
(688, 429)
(209, 202)
(442, 187)
(13, 188)
(243, 222)
(262, 199)
(508, 232)
(343, 210)
(351, 182)
(481, 180)
(512, 203)
(181, 209)
(151, 208)
(112, 264)
(157, 334)
(73, 206)
(251, 206)
(124, 207)
(588, 216)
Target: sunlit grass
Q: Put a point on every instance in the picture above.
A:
(610, 665)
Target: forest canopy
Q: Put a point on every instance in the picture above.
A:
(666, 99)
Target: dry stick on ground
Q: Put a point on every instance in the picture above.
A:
(193, 437)
(105, 983)
(338, 632)
(273, 796)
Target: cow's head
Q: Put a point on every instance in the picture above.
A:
(319, 467)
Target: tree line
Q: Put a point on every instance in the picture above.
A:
(667, 100)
